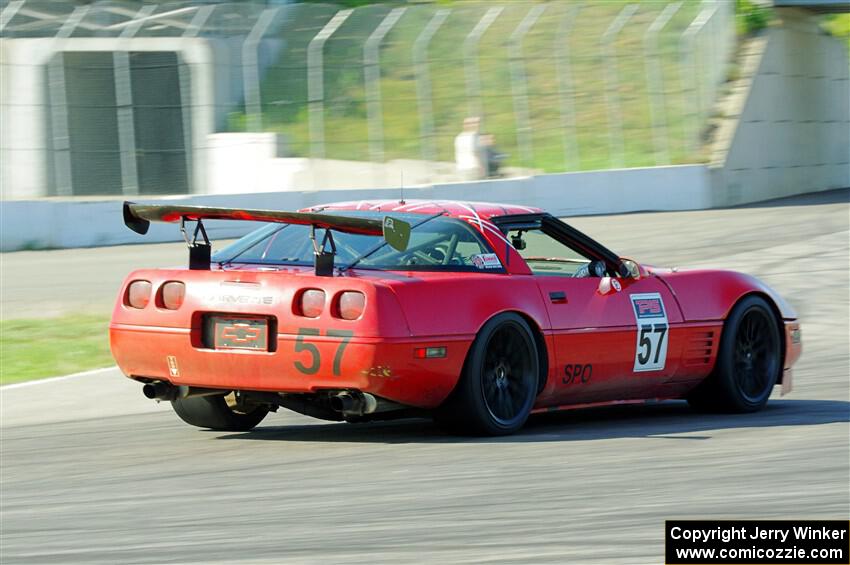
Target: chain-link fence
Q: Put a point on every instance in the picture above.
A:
(130, 92)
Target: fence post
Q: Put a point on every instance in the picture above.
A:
(316, 83)
(251, 69)
(198, 20)
(470, 58)
(566, 88)
(708, 67)
(124, 105)
(612, 94)
(717, 48)
(59, 105)
(9, 12)
(423, 84)
(194, 150)
(655, 84)
(372, 76)
(687, 49)
(716, 57)
(518, 84)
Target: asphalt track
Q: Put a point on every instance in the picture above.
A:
(93, 473)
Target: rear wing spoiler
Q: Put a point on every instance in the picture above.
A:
(138, 218)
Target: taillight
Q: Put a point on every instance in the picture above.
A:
(351, 304)
(139, 294)
(173, 293)
(312, 303)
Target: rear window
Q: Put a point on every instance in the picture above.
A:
(436, 243)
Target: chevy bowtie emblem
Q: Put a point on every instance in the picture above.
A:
(241, 333)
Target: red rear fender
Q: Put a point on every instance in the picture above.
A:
(711, 294)
(462, 303)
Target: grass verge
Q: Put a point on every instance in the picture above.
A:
(39, 348)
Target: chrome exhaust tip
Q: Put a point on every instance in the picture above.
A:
(354, 403)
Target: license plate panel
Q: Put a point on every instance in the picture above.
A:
(239, 332)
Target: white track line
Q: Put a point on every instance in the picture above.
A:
(52, 380)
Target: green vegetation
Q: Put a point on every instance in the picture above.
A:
(752, 17)
(285, 100)
(838, 25)
(352, 3)
(39, 348)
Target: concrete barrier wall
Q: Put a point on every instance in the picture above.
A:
(39, 224)
(256, 162)
(791, 131)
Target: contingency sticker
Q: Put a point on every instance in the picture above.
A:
(652, 330)
(486, 261)
(173, 370)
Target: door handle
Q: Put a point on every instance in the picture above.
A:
(558, 297)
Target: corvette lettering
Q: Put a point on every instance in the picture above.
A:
(239, 299)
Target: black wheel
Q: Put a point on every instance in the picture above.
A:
(499, 382)
(221, 413)
(748, 363)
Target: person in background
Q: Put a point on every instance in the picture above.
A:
(469, 154)
(492, 156)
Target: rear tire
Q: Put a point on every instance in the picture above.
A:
(748, 363)
(215, 413)
(498, 386)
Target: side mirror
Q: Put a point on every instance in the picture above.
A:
(628, 269)
(396, 233)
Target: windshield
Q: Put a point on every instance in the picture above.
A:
(436, 243)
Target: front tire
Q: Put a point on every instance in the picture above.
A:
(748, 363)
(498, 386)
(216, 413)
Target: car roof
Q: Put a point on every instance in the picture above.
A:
(452, 208)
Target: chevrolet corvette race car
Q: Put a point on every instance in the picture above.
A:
(477, 314)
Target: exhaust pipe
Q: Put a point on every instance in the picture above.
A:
(160, 391)
(354, 403)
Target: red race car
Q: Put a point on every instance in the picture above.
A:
(477, 314)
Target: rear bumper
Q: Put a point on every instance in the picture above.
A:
(793, 350)
(299, 364)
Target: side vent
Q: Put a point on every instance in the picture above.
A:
(699, 348)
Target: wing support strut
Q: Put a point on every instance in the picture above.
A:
(200, 252)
